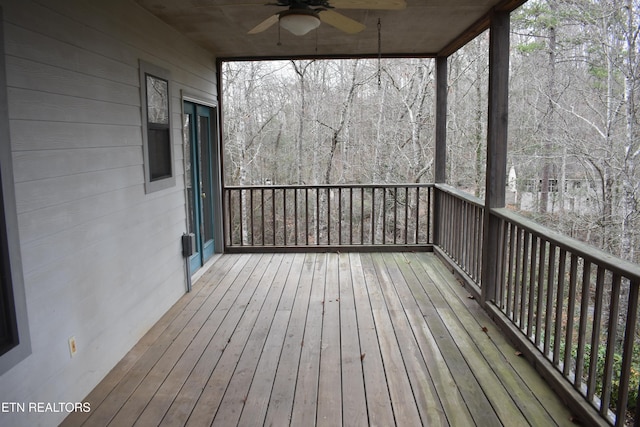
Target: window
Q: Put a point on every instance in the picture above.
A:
(8, 327)
(15, 344)
(156, 117)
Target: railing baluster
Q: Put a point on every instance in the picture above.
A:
(532, 285)
(317, 216)
(516, 278)
(395, 214)
(406, 215)
(273, 213)
(328, 216)
(451, 228)
(557, 338)
(582, 326)
(241, 217)
(467, 240)
(373, 215)
(456, 221)
(445, 216)
(510, 271)
(550, 294)
(351, 215)
(454, 229)
(627, 353)
(429, 217)
(339, 215)
(573, 277)
(295, 214)
(541, 290)
(417, 222)
(251, 217)
(612, 333)
(523, 281)
(284, 216)
(362, 215)
(228, 216)
(262, 217)
(384, 215)
(472, 239)
(499, 295)
(480, 234)
(595, 335)
(306, 216)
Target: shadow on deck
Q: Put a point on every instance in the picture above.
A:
(327, 339)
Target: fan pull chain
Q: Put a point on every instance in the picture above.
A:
(279, 42)
(379, 54)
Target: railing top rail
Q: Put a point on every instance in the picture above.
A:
(460, 194)
(313, 186)
(596, 256)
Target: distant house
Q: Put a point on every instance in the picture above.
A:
(577, 194)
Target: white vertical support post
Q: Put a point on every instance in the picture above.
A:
(496, 150)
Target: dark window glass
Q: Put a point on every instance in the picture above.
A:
(8, 326)
(159, 153)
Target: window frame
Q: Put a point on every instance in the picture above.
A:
(152, 185)
(12, 280)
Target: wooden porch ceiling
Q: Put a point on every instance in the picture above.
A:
(423, 28)
(327, 339)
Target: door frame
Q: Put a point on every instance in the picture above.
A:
(216, 166)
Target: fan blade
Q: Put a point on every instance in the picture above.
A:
(340, 21)
(369, 4)
(273, 19)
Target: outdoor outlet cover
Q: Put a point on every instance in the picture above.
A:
(73, 349)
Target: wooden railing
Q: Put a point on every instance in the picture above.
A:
(459, 229)
(577, 305)
(328, 216)
(574, 305)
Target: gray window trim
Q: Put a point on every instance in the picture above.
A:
(147, 68)
(14, 262)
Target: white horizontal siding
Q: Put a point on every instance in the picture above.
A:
(26, 73)
(102, 259)
(33, 105)
(37, 165)
(46, 135)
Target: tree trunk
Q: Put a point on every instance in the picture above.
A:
(549, 125)
(629, 183)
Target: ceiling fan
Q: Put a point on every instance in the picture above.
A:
(303, 16)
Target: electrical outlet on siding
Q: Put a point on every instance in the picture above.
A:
(73, 348)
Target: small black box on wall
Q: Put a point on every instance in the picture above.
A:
(188, 244)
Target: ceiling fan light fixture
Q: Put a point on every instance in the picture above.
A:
(299, 22)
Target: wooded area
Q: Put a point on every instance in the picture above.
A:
(573, 125)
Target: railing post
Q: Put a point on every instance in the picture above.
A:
(496, 150)
(441, 141)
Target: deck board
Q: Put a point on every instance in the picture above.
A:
(354, 400)
(324, 339)
(330, 388)
(375, 382)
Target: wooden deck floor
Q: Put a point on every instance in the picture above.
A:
(324, 339)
